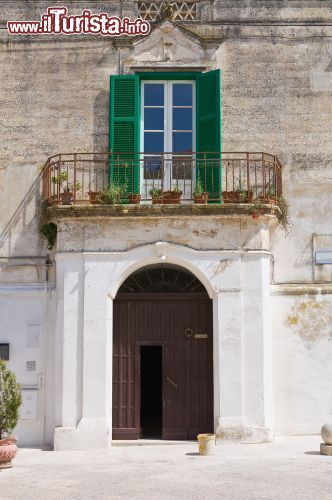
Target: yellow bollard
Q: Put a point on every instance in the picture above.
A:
(206, 444)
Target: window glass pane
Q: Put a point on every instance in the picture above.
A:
(153, 142)
(154, 119)
(153, 94)
(152, 166)
(182, 168)
(182, 94)
(182, 142)
(182, 119)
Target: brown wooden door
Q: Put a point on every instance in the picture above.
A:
(187, 392)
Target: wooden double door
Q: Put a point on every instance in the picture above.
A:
(167, 337)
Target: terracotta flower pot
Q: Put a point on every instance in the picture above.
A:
(8, 450)
(66, 198)
(237, 196)
(157, 201)
(134, 199)
(93, 197)
(269, 200)
(201, 199)
(171, 197)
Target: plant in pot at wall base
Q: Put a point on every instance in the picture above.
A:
(200, 196)
(66, 195)
(10, 402)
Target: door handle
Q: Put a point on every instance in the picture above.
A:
(171, 382)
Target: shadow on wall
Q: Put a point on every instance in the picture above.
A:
(100, 122)
(19, 235)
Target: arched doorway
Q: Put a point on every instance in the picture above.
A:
(162, 356)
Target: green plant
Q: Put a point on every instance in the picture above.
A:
(176, 188)
(112, 194)
(198, 191)
(155, 193)
(243, 194)
(284, 212)
(10, 400)
(62, 180)
(270, 192)
(257, 209)
(49, 232)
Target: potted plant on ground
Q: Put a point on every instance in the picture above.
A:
(200, 196)
(66, 196)
(112, 194)
(10, 402)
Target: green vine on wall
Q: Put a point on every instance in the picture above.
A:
(48, 230)
(257, 209)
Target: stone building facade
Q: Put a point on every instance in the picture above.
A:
(269, 287)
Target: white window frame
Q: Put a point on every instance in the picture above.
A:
(168, 122)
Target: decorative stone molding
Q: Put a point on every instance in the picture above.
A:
(169, 46)
(179, 11)
(162, 250)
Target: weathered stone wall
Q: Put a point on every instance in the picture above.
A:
(277, 88)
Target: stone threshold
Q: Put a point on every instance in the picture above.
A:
(148, 442)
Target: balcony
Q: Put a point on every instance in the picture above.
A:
(163, 182)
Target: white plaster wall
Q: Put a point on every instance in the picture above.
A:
(302, 363)
(19, 308)
(242, 395)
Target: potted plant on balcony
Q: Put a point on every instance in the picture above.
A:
(66, 195)
(269, 197)
(112, 195)
(173, 196)
(93, 197)
(134, 198)
(156, 195)
(10, 402)
(238, 196)
(200, 196)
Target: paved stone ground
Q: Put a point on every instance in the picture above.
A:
(288, 468)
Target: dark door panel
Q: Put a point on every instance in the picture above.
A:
(175, 416)
(182, 326)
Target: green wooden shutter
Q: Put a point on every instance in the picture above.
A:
(124, 131)
(208, 129)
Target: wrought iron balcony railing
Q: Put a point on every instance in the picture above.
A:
(78, 178)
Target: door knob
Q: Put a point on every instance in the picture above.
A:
(188, 332)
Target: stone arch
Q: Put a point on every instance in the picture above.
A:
(162, 252)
